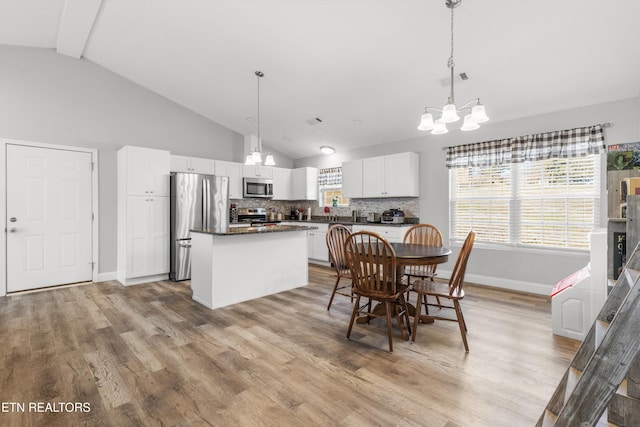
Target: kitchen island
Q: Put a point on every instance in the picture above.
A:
(239, 264)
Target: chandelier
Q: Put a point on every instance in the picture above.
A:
(255, 156)
(449, 113)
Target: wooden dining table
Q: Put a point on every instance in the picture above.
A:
(408, 254)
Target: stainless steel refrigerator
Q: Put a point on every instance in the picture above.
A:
(197, 201)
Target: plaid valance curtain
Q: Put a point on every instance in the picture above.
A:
(558, 144)
(330, 176)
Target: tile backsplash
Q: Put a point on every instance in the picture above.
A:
(410, 206)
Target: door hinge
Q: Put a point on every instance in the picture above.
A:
(92, 165)
(92, 216)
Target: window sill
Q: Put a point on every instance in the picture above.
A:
(527, 250)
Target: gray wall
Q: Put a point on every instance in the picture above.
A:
(525, 270)
(51, 98)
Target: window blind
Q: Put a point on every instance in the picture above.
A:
(552, 203)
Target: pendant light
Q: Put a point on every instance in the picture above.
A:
(449, 113)
(255, 156)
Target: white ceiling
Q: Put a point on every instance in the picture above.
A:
(375, 61)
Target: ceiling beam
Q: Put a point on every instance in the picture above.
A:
(76, 23)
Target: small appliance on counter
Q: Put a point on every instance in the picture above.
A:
(393, 216)
(373, 217)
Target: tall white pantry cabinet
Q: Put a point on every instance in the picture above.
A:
(143, 215)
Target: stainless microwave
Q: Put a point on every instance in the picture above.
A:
(257, 187)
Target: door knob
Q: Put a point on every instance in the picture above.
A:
(13, 219)
(13, 230)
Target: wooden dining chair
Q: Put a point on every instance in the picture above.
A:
(452, 291)
(372, 262)
(337, 235)
(422, 234)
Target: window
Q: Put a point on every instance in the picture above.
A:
(540, 191)
(330, 187)
(551, 203)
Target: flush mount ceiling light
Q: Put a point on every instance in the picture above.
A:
(255, 156)
(449, 113)
(327, 150)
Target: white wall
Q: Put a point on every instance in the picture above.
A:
(51, 98)
(530, 270)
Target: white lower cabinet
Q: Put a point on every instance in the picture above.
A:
(147, 240)
(317, 243)
(317, 250)
(394, 234)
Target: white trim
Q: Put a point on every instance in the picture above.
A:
(3, 202)
(498, 282)
(106, 277)
(577, 253)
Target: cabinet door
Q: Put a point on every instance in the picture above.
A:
(352, 178)
(137, 236)
(138, 171)
(318, 250)
(400, 175)
(158, 235)
(204, 166)
(373, 177)
(159, 172)
(304, 184)
(234, 171)
(179, 163)
(257, 171)
(282, 180)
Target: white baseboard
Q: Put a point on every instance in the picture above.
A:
(105, 277)
(499, 282)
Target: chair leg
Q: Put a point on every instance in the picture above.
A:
(406, 313)
(426, 304)
(333, 294)
(353, 315)
(387, 306)
(456, 304)
(416, 319)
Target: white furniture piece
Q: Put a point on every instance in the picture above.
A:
(352, 178)
(192, 165)
(257, 171)
(318, 250)
(394, 175)
(282, 188)
(304, 184)
(393, 233)
(234, 171)
(577, 299)
(143, 215)
(228, 269)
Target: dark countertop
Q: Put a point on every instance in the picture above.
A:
(254, 230)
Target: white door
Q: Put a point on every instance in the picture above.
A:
(48, 217)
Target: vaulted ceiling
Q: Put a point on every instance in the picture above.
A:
(365, 68)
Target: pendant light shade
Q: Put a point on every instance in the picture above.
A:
(426, 122)
(469, 123)
(449, 114)
(439, 128)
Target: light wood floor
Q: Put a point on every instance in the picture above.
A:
(149, 355)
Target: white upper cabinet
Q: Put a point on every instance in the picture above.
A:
(304, 183)
(282, 188)
(395, 175)
(352, 178)
(146, 171)
(234, 171)
(257, 171)
(401, 175)
(192, 165)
